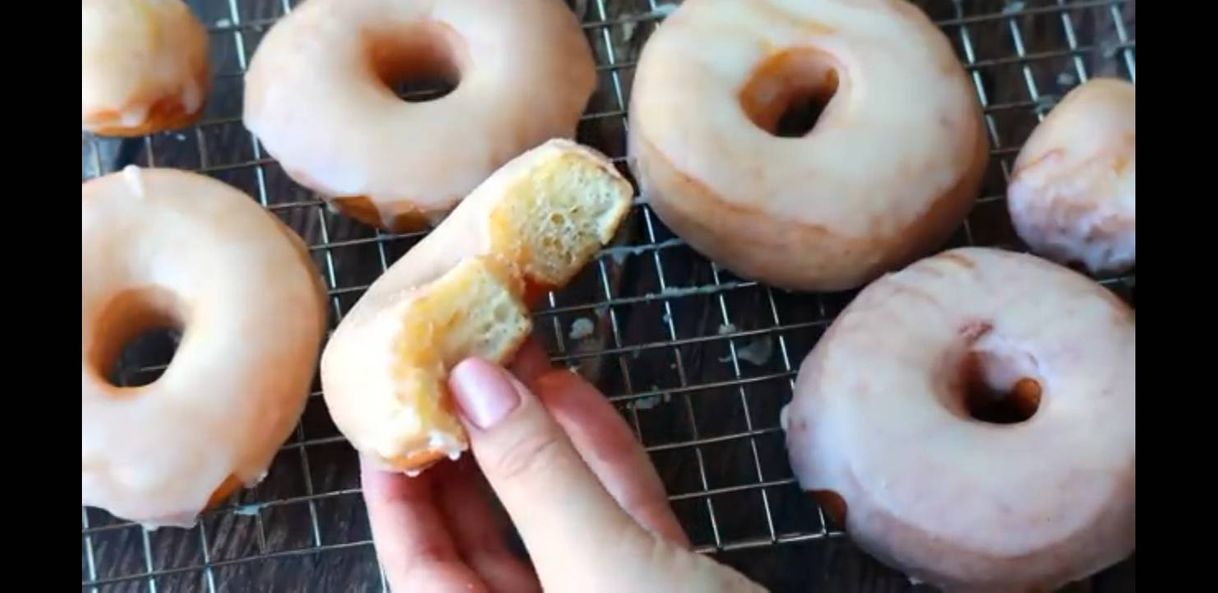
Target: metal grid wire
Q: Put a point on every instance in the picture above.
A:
(698, 361)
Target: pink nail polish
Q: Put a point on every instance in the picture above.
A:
(483, 392)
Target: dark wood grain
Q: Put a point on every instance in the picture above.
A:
(671, 394)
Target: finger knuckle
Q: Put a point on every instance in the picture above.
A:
(530, 456)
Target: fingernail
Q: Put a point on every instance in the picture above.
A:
(483, 392)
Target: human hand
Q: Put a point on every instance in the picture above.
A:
(580, 490)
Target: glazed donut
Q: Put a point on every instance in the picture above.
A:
(143, 66)
(464, 291)
(971, 420)
(889, 170)
(166, 248)
(318, 96)
(1071, 195)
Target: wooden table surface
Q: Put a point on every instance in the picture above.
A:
(665, 322)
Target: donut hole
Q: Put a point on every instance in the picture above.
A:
(419, 64)
(799, 117)
(988, 400)
(136, 337)
(145, 357)
(790, 91)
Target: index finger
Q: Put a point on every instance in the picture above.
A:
(531, 361)
(609, 448)
(411, 539)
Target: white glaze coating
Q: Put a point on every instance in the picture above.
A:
(889, 170)
(252, 310)
(136, 53)
(1072, 192)
(878, 417)
(526, 73)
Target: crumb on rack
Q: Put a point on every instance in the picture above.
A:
(756, 352)
(651, 401)
(248, 510)
(581, 328)
(664, 10)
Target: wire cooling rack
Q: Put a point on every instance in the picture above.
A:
(698, 361)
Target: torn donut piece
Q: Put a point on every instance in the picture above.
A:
(464, 291)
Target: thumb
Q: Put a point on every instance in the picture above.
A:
(556, 502)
